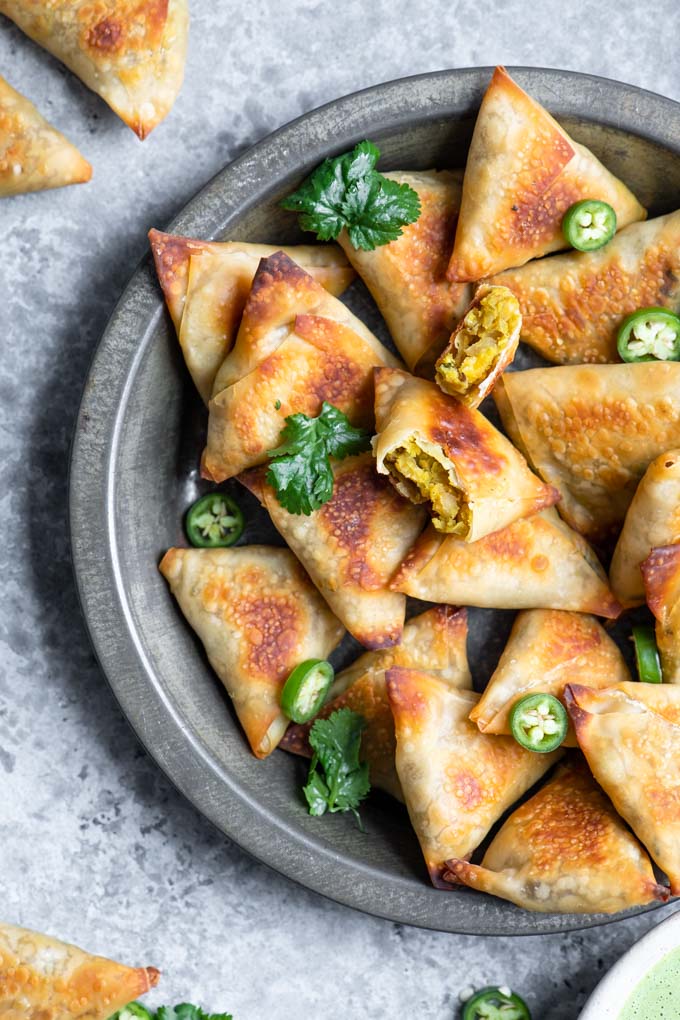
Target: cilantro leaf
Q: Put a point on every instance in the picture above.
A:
(185, 1011)
(337, 780)
(300, 469)
(348, 191)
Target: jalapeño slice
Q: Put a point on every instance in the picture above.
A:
(647, 655)
(214, 520)
(495, 1004)
(133, 1011)
(305, 690)
(589, 225)
(539, 722)
(650, 334)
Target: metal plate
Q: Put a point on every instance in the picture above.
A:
(134, 470)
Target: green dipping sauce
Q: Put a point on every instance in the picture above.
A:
(658, 994)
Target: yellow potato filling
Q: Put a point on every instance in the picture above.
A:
(424, 479)
(485, 333)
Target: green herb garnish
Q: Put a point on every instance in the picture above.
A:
(348, 191)
(337, 781)
(300, 470)
(183, 1011)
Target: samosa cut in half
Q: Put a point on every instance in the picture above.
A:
(434, 641)
(456, 781)
(652, 521)
(407, 277)
(297, 347)
(258, 616)
(573, 304)
(661, 576)
(523, 172)
(352, 545)
(42, 978)
(565, 851)
(546, 650)
(535, 563)
(130, 52)
(592, 431)
(34, 156)
(206, 285)
(439, 452)
(481, 346)
(631, 739)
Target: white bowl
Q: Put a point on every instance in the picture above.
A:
(614, 989)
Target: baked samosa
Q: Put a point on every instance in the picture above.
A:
(592, 431)
(434, 641)
(440, 452)
(407, 277)
(297, 347)
(130, 52)
(258, 616)
(206, 286)
(33, 155)
(661, 576)
(456, 781)
(481, 347)
(535, 563)
(523, 172)
(42, 978)
(573, 304)
(653, 520)
(633, 751)
(565, 851)
(546, 650)
(352, 545)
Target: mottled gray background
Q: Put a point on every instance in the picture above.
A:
(94, 844)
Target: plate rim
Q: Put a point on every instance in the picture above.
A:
(181, 756)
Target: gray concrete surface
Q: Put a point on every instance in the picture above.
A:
(95, 845)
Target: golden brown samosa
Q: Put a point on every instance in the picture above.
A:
(572, 305)
(652, 521)
(633, 751)
(440, 452)
(206, 286)
(546, 650)
(34, 155)
(592, 431)
(130, 52)
(481, 346)
(565, 851)
(661, 576)
(535, 563)
(258, 616)
(297, 346)
(42, 978)
(407, 277)
(456, 781)
(523, 172)
(352, 545)
(434, 641)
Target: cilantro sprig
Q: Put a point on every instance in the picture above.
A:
(183, 1011)
(337, 781)
(300, 469)
(348, 191)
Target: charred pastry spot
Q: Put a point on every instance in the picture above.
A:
(106, 35)
(358, 495)
(424, 479)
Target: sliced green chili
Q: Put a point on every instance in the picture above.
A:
(214, 520)
(647, 655)
(132, 1011)
(539, 722)
(589, 225)
(305, 690)
(496, 1004)
(650, 334)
